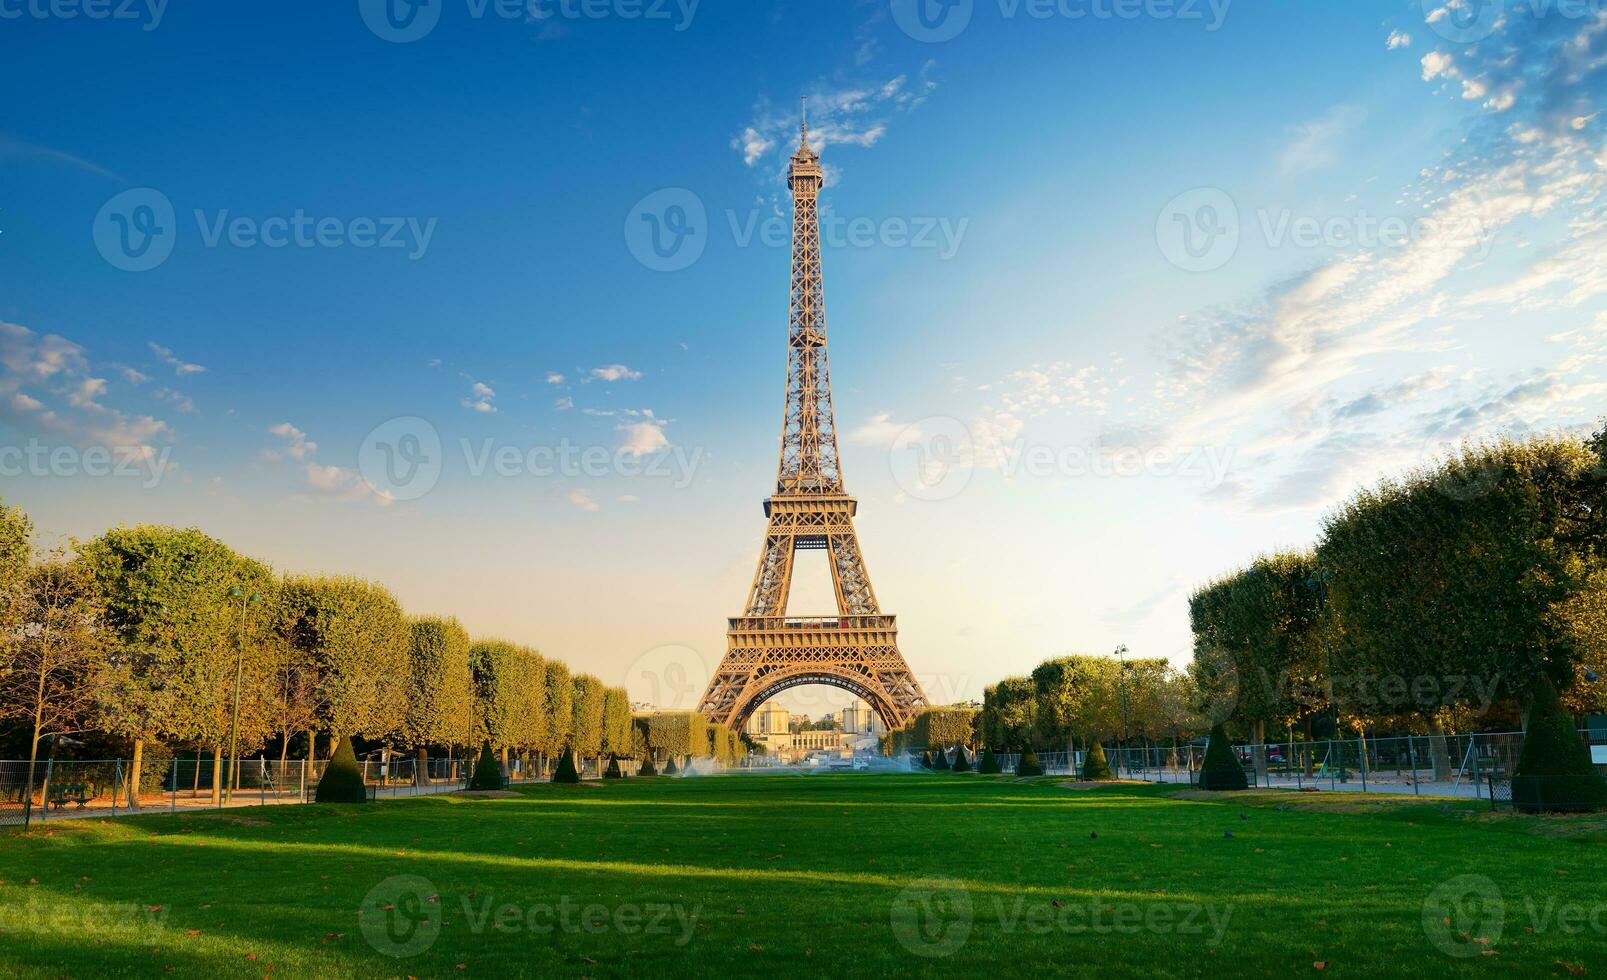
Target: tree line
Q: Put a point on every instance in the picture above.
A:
(1440, 601)
(148, 637)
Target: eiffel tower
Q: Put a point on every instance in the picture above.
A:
(768, 652)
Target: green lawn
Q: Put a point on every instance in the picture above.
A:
(827, 874)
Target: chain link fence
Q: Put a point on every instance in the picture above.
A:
(1475, 766)
(66, 789)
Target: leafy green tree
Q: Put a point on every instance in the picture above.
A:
(440, 685)
(359, 640)
(587, 730)
(559, 698)
(1076, 696)
(1446, 581)
(502, 675)
(1014, 709)
(53, 666)
(178, 636)
(16, 530)
(617, 721)
(937, 727)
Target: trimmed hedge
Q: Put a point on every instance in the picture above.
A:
(1220, 771)
(989, 764)
(1028, 764)
(487, 773)
(669, 767)
(567, 771)
(940, 760)
(962, 760)
(647, 768)
(1554, 771)
(613, 771)
(1095, 768)
(342, 782)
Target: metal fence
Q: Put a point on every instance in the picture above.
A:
(1421, 765)
(66, 789)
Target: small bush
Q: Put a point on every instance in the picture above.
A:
(940, 760)
(925, 761)
(1095, 768)
(487, 772)
(1221, 769)
(989, 763)
(1554, 771)
(1028, 765)
(669, 767)
(962, 760)
(646, 768)
(567, 771)
(613, 771)
(342, 782)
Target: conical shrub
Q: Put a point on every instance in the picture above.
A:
(1554, 770)
(646, 768)
(567, 771)
(669, 767)
(940, 760)
(487, 771)
(962, 760)
(1221, 770)
(342, 782)
(989, 764)
(1094, 765)
(1028, 764)
(925, 760)
(613, 771)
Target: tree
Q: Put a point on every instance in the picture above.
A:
(342, 781)
(587, 731)
(1220, 770)
(1095, 766)
(1454, 572)
(1013, 706)
(1554, 771)
(440, 685)
(1077, 696)
(508, 690)
(53, 666)
(358, 638)
(487, 773)
(937, 727)
(179, 634)
(559, 702)
(682, 734)
(15, 551)
(617, 721)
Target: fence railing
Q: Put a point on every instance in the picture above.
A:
(1421, 765)
(63, 789)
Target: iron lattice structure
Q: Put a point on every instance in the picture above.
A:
(766, 651)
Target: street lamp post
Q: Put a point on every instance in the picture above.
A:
(1121, 658)
(234, 713)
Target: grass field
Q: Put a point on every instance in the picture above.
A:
(832, 875)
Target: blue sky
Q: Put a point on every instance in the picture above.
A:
(1417, 260)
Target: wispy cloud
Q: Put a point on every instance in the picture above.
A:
(1315, 144)
(180, 367)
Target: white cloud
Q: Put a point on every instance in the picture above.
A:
(643, 438)
(180, 367)
(564, 404)
(615, 372)
(852, 114)
(1315, 143)
(296, 443)
(1436, 64)
(1399, 39)
(583, 500)
(480, 398)
(554, 378)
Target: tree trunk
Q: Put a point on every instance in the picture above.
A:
(134, 765)
(312, 745)
(421, 767)
(1311, 755)
(1259, 753)
(1438, 751)
(217, 773)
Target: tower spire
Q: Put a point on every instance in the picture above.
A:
(804, 152)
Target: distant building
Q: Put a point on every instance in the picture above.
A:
(859, 719)
(771, 719)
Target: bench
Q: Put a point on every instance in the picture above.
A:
(79, 793)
